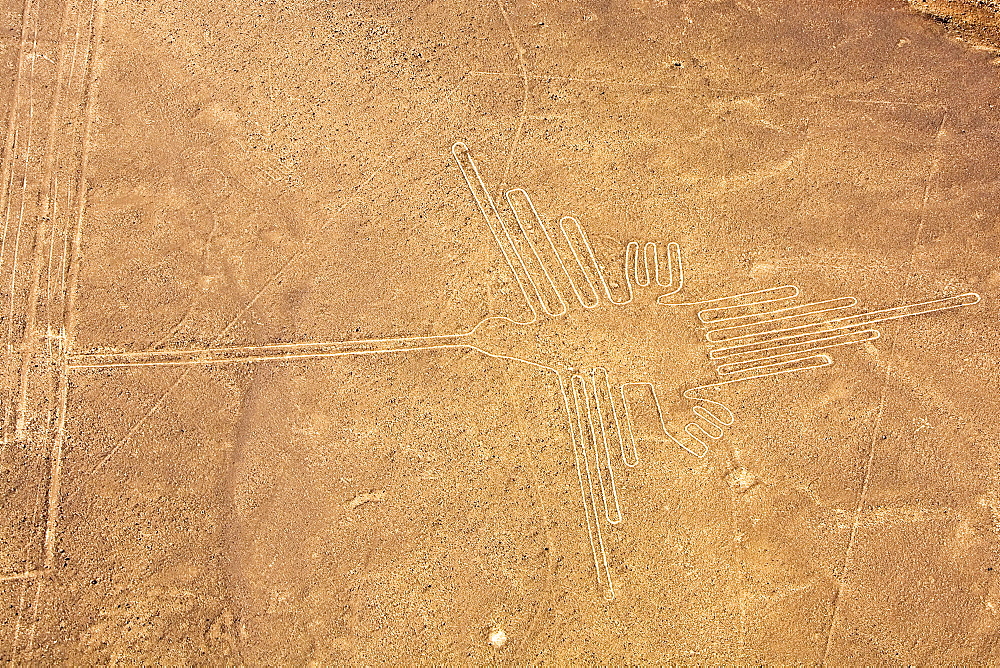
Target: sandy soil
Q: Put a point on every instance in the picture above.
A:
(254, 178)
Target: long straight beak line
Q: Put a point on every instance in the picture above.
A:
(276, 352)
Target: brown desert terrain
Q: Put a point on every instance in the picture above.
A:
(507, 332)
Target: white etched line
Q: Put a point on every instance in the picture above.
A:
(72, 269)
(527, 226)
(274, 352)
(768, 362)
(597, 547)
(780, 343)
(488, 208)
(10, 155)
(630, 460)
(23, 192)
(767, 324)
(849, 339)
(725, 314)
(598, 437)
(764, 296)
(586, 262)
(696, 451)
(862, 319)
(26, 575)
(780, 366)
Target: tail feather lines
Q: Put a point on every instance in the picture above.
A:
(764, 333)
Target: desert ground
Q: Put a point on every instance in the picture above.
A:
(499, 332)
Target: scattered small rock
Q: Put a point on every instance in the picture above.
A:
(498, 637)
(367, 497)
(741, 480)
